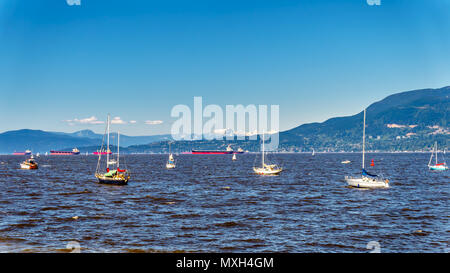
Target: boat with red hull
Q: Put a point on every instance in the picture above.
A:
(74, 151)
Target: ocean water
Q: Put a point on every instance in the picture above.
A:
(212, 204)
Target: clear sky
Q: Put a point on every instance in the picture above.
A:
(61, 64)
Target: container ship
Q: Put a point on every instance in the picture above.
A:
(74, 151)
(27, 152)
(215, 152)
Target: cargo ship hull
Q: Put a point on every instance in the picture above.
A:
(22, 153)
(101, 153)
(63, 153)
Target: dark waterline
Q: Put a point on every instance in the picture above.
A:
(210, 203)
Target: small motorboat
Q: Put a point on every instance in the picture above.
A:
(29, 164)
(345, 161)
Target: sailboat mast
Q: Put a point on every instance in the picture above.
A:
(435, 148)
(107, 144)
(364, 138)
(431, 157)
(118, 144)
(263, 140)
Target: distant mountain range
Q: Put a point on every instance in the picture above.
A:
(41, 141)
(410, 120)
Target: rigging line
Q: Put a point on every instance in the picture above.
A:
(100, 152)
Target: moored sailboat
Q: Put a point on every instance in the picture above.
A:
(115, 175)
(171, 161)
(267, 169)
(436, 166)
(367, 180)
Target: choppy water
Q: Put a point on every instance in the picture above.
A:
(211, 204)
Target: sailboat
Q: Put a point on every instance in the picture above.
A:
(234, 157)
(313, 153)
(114, 175)
(437, 166)
(266, 169)
(367, 180)
(171, 162)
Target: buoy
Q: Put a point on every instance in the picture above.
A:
(372, 163)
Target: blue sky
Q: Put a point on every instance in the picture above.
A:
(137, 59)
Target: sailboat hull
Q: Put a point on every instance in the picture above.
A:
(112, 181)
(366, 182)
(265, 171)
(438, 167)
(170, 166)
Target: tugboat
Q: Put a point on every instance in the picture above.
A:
(114, 176)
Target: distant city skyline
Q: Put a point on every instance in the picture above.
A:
(64, 67)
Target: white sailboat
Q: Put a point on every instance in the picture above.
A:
(234, 157)
(436, 166)
(367, 180)
(171, 162)
(313, 153)
(266, 169)
(114, 175)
